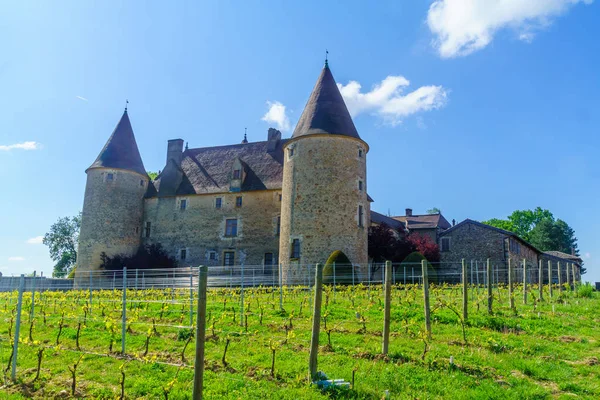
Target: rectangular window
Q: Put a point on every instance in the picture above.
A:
(229, 258)
(445, 244)
(360, 153)
(280, 197)
(238, 201)
(212, 255)
(148, 229)
(110, 177)
(182, 204)
(218, 202)
(182, 254)
(360, 184)
(237, 173)
(231, 227)
(360, 215)
(295, 248)
(278, 228)
(141, 182)
(290, 152)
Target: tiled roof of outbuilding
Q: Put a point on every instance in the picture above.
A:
(121, 151)
(428, 221)
(564, 256)
(378, 218)
(325, 111)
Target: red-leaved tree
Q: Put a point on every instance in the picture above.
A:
(426, 246)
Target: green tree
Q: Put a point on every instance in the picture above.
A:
(522, 222)
(152, 175)
(434, 210)
(62, 242)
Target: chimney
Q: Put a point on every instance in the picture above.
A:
(273, 139)
(409, 212)
(174, 151)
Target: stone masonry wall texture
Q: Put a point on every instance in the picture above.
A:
(112, 215)
(200, 228)
(320, 201)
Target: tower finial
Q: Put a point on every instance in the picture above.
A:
(186, 146)
(245, 137)
(326, 58)
(126, 102)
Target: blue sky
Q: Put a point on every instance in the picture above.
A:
(476, 107)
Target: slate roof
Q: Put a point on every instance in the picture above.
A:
(564, 256)
(325, 111)
(503, 231)
(209, 169)
(428, 221)
(121, 151)
(378, 218)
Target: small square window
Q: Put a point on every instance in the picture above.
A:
(238, 201)
(183, 204)
(445, 244)
(231, 227)
(182, 254)
(212, 255)
(110, 177)
(237, 173)
(218, 202)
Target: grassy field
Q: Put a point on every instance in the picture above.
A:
(545, 349)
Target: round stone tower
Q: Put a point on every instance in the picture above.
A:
(113, 204)
(324, 206)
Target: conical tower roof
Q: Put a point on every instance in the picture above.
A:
(121, 151)
(325, 111)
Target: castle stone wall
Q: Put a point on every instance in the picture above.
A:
(112, 215)
(200, 228)
(320, 201)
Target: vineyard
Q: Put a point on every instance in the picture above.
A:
(257, 343)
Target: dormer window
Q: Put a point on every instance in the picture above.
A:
(237, 174)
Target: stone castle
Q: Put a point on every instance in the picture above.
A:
(281, 201)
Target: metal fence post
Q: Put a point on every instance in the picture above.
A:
(386, 313)
(560, 288)
(489, 286)
(124, 313)
(316, 325)
(17, 328)
(242, 296)
(541, 280)
(465, 298)
(136, 279)
(550, 278)
(511, 298)
(524, 281)
(90, 288)
(32, 311)
(281, 287)
(200, 333)
(191, 298)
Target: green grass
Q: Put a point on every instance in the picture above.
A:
(545, 349)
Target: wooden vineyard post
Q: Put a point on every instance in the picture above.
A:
(200, 333)
(386, 313)
(511, 298)
(124, 313)
(524, 281)
(541, 280)
(465, 297)
(426, 298)
(560, 288)
(550, 278)
(490, 297)
(316, 326)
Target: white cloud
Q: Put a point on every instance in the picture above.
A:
(21, 146)
(277, 115)
(461, 27)
(35, 240)
(16, 258)
(387, 99)
(81, 98)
